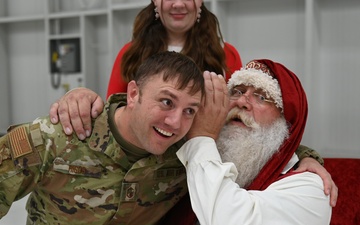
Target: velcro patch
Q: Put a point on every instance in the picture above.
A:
(19, 142)
(60, 165)
(36, 135)
(169, 172)
(129, 192)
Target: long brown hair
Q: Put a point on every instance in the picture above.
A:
(203, 42)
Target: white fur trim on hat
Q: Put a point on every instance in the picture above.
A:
(259, 80)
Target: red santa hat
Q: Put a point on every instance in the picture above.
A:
(285, 89)
(259, 76)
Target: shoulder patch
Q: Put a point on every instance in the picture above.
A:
(129, 192)
(19, 142)
(36, 135)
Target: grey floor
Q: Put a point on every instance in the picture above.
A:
(16, 215)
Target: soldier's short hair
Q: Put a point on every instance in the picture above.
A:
(172, 65)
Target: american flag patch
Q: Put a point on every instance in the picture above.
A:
(19, 142)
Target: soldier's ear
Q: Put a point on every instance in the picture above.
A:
(133, 93)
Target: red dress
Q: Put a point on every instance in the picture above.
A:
(117, 84)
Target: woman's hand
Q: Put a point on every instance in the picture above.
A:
(74, 109)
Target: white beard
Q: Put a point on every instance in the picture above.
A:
(248, 149)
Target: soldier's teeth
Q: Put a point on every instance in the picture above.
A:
(163, 132)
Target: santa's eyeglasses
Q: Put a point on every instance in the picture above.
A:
(255, 96)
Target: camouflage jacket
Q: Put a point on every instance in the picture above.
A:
(85, 182)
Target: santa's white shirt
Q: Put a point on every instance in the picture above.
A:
(216, 199)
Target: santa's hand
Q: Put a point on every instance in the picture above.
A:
(211, 116)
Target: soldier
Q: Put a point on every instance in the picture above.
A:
(127, 171)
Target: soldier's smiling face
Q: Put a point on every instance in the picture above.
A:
(161, 113)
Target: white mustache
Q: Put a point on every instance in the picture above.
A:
(236, 113)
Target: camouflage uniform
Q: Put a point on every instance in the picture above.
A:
(86, 182)
(304, 151)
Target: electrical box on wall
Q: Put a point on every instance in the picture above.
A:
(65, 56)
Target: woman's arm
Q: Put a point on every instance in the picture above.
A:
(77, 107)
(116, 82)
(75, 110)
